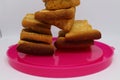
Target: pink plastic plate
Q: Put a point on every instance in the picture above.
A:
(65, 63)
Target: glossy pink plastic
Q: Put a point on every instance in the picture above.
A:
(64, 63)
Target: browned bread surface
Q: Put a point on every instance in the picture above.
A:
(64, 24)
(60, 4)
(33, 48)
(61, 43)
(30, 21)
(61, 33)
(58, 18)
(44, 15)
(81, 30)
(32, 36)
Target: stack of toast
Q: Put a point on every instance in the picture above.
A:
(36, 37)
(81, 36)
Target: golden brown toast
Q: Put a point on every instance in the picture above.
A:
(30, 21)
(81, 30)
(64, 24)
(34, 48)
(32, 36)
(60, 4)
(44, 15)
(61, 43)
(58, 18)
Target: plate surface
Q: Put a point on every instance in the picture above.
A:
(64, 63)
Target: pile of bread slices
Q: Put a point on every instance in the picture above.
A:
(36, 37)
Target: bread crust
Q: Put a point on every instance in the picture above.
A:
(30, 21)
(32, 36)
(64, 24)
(60, 4)
(61, 43)
(81, 30)
(58, 20)
(33, 48)
(44, 15)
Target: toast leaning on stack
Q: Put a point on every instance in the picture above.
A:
(62, 18)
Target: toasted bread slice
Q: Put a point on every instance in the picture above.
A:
(32, 36)
(33, 48)
(44, 15)
(29, 22)
(60, 4)
(64, 24)
(60, 19)
(61, 43)
(81, 30)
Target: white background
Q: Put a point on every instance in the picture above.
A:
(103, 15)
